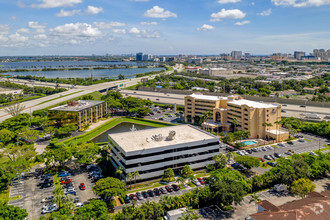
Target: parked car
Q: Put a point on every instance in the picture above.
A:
(281, 144)
(127, 199)
(254, 149)
(82, 186)
(269, 147)
(267, 157)
(46, 185)
(157, 192)
(151, 193)
(290, 142)
(133, 197)
(175, 187)
(139, 196)
(249, 151)
(197, 183)
(262, 159)
(201, 180)
(270, 164)
(47, 199)
(66, 181)
(235, 165)
(145, 194)
(63, 174)
(169, 188)
(163, 190)
(301, 140)
(277, 155)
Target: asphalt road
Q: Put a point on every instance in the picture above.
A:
(38, 104)
(170, 98)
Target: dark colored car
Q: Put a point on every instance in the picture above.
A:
(270, 164)
(201, 180)
(169, 188)
(127, 199)
(133, 197)
(157, 192)
(68, 185)
(303, 106)
(235, 165)
(163, 190)
(249, 151)
(151, 193)
(46, 185)
(290, 142)
(175, 187)
(139, 196)
(277, 155)
(145, 194)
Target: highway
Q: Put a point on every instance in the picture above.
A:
(170, 98)
(51, 100)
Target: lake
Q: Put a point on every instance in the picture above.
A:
(65, 64)
(122, 127)
(98, 73)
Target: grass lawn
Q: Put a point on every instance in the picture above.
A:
(115, 121)
(199, 175)
(59, 97)
(308, 140)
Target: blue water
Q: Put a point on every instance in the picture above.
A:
(249, 142)
(109, 73)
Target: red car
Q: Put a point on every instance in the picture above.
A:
(201, 181)
(82, 186)
(262, 159)
(67, 181)
(133, 197)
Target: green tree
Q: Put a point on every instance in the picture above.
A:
(6, 136)
(96, 209)
(254, 198)
(301, 187)
(86, 153)
(9, 212)
(136, 174)
(235, 123)
(180, 180)
(248, 161)
(186, 171)
(119, 172)
(220, 161)
(129, 178)
(108, 187)
(121, 77)
(29, 135)
(189, 214)
(14, 109)
(168, 175)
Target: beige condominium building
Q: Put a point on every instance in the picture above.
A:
(250, 115)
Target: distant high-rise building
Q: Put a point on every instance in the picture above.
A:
(247, 55)
(321, 54)
(139, 56)
(298, 55)
(236, 55)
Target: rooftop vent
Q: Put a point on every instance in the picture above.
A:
(171, 135)
(157, 137)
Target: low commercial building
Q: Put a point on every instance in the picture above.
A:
(192, 69)
(216, 71)
(249, 115)
(152, 151)
(315, 206)
(81, 113)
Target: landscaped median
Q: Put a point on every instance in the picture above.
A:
(112, 123)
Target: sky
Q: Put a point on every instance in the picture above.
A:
(162, 27)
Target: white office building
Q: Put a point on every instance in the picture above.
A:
(152, 151)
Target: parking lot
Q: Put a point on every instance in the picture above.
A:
(33, 194)
(166, 115)
(311, 143)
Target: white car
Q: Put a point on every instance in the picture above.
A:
(197, 183)
(79, 204)
(47, 199)
(281, 144)
(269, 147)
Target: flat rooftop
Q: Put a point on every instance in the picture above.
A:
(207, 97)
(81, 105)
(251, 104)
(143, 139)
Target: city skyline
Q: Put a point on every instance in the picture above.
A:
(85, 27)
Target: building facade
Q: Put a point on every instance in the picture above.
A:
(236, 55)
(152, 151)
(249, 115)
(82, 113)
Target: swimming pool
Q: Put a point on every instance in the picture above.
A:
(249, 142)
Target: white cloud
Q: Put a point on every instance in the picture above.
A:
(23, 31)
(223, 14)
(228, 1)
(205, 27)
(64, 13)
(80, 30)
(103, 25)
(13, 18)
(144, 33)
(134, 30)
(54, 3)
(4, 29)
(36, 25)
(17, 38)
(3, 38)
(40, 31)
(92, 10)
(266, 12)
(157, 12)
(40, 37)
(241, 23)
(301, 3)
(119, 31)
(148, 23)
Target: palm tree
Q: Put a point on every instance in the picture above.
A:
(119, 172)
(135, 175)
(229, 155)
(191, 178)
(180, 180)
(254, 198)
(206, 116)
(189, 214)
(129, 178)
(216, 159)
(58, 199)
(235, 123)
